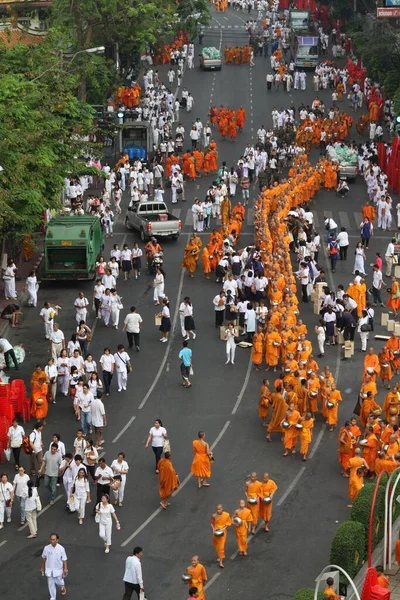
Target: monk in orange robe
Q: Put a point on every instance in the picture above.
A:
(223, 126)
(329, 592)
(257, 349)
(240, 118)
(273, 343)
(384, 464)
(345, 447)
(199, 576)
(356, 482)
(291, 432)
(368, 211)
(252, 490)
(383, 581)
(242, 528)
(267, 490)
(391, 404)
(393, 344)
(168, 479)
(40, 405)
(191, 256)
(232, 129)
(279, 411)
(201, 465)
(370, 449)
(220, 521)
(306, 434)
(334, 397)
(206, 262)
(369, 405)
(264, 402)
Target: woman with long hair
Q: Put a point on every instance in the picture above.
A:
(105, 513)
(90, 458)
(81, 493)
(31, 509)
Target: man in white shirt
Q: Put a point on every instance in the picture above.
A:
(81, 304)
(47, 314)
(15, 436)
(303, 275)
(84, 401)
(55, 566)
(36, 443)
(132, 325)
(99, 419)
(77, 361)
(389, 257)
(57, 342)
(103, 476)
(377, 283)
(133, 578)
(343, 241)
(122, 364)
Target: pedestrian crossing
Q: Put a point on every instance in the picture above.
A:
(187, 219)
(350, 220)
(224, 27)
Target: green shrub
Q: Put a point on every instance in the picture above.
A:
(360, 511)
(307, 594)
(348, 547)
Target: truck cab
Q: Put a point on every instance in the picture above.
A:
(72, 247)
(306, 52)
(136, 139)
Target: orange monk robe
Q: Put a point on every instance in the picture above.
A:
(313, 389)
(397, 552)
(370, 451)
(385, 359)
(206, 260)
(39, 390)
(355, 484)
(168, 479)
(264, 402)
(192, 168)
(267, 490)
(345, 448)
(199, 160)
(186, 164)
(393, 449)
(391, 403)
(384, 464)
(213, 160)
(369, 405)
(368, 211)
(393, 344)
(191, 257)
(257, 349)
(279, 412)
(239, 212)
(223, 126)
(232, 129)
(253, 491)
(291, 434)
(201, 465)
(199, 577)
(330, 594)
(383, 581)
(332, 413)
(220, 522)
(356, 293)
(386, 433)
(372, 361)
(240, 117)
(242, 529)
(272, 349)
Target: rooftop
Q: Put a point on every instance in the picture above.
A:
(13, 37)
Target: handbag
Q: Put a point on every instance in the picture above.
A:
(395, 259)
(7, 453)
(365, 327)
(128, 367)
(38, 504)
(97, 515)
(120, 306)
(191, 372)
(166, 446)
(71, 503)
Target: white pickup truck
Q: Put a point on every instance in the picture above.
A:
(152, 219)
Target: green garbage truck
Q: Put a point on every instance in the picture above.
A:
(72, 247)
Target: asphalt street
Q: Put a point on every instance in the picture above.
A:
(312, 497)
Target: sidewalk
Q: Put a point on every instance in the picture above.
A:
(394, 578)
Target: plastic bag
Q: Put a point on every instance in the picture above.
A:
(7, 453)
(20, 353)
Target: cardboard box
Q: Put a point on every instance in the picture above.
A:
(340, 337)
(397, 271)
(397, 328)
(390, 325)
(384, 319)
(348, 349)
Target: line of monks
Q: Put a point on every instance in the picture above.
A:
(194, 163)
(227, 120)
(237, 55)
(128, 96)
(163, 53)
(221, 5)
(371, 446)
(337, 129)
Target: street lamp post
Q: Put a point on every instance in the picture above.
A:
(96, 50)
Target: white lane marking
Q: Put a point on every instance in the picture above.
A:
(143, 525)
(189, 218)
(182, 485)
(42, 511)
(316, 222)
(291, 487)
(209, 583)
(317, 442)
(129, 423)
(344, 219)
(169, 344)
(358, 218)
(5, 542)
(226, 18)
(176, 212)
(244, 386)
(250, 216)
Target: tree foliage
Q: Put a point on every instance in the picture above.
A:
(44, 130)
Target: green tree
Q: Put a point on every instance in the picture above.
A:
(44, 130)
(192, 14)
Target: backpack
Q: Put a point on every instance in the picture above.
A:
(26, 445)
(333, 249)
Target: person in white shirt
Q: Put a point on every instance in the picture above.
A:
(81, 304)
(122, 364)
(157, 436)
(132, 325)
(343, 241)
(120, 467)
(57, 342)
(55, 566)
(15, 436)
(389, 257)
(133, 578)
(107, 363)
(303, 275)
(98, 418)
(47, 314)
(83, 401)
(105, 513)
(36, 443)
(20, 484)
(81, 493)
